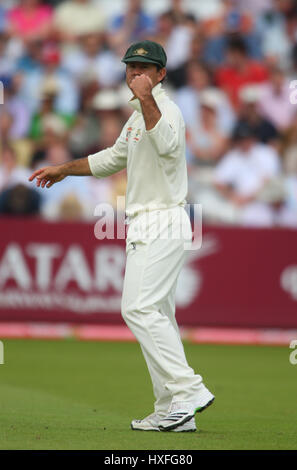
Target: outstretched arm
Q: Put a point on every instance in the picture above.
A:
(49, 175)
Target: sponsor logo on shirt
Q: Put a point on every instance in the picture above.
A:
(137, 135)
(128, 133)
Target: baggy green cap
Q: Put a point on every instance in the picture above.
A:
(146, 51)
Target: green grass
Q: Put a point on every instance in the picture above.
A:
(83, 395)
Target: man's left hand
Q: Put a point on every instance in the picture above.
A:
(141, 86)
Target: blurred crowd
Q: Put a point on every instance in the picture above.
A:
(231, 70)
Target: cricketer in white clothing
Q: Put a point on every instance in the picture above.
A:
(152, 148)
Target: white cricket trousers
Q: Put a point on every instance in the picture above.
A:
(155, 249)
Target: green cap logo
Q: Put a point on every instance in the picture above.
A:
(140, 51)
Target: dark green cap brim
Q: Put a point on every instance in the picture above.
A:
(140, 58)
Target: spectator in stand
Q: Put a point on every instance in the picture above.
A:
(74, 18)
(196, 47)
(199, 78)
(274, 102)
(32, 57)
(90, 59)
(72, 200)
(10, 127)
(11, 173)
(30, 20)
(229, 22)
(47, 112)
(55, 133)
(240, 177)
(176, 40)
(287, 215)
(240, 70)
(205, 139)
(249, 113)
(91, 127)
(16, 109)
(20, 201)
(276, 29)
(67, 99)
(206, 143)
(134, 24)
(181, 16)
(8, 55)
(107, 104)
(85, 134)
(6, 122)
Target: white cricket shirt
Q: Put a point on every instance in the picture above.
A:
(155, 159)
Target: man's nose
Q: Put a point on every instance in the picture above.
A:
(137, 72)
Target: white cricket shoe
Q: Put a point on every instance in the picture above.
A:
(182, 412)
(151, 423)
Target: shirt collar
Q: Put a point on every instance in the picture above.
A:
(157, 92)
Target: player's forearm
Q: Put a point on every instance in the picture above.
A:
(79, 167)
(49, 175)
(150, 111)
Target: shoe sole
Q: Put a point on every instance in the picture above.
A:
(138, 429)
(158, 430)
(186, 430)
(188, 417)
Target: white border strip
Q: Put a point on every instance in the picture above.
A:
(197, 335)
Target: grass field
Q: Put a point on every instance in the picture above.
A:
(83, 395)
